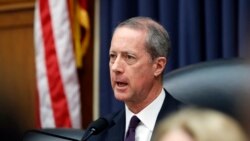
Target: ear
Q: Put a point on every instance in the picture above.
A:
(160, 63)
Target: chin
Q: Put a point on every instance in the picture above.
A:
(121, 96)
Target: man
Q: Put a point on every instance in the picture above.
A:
(138, 56)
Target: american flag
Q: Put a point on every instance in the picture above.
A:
(56, 71)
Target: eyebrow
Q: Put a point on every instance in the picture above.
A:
(123, 52)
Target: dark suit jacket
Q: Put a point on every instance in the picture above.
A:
(116, 132)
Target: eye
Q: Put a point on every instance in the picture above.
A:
(130, 59)
(112, 57)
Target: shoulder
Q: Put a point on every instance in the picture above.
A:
(170, 99)
(113, 118)
(169, 105)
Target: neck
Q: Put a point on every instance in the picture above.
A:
(138, 106)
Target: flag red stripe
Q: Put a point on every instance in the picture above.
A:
(83, 4)
(57, 93)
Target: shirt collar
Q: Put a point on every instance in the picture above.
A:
(149, 114)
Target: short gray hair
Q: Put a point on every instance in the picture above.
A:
(157, 41)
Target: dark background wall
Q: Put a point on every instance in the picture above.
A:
(200, 30)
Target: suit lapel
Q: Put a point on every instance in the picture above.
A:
(116, 132)
(169, 105)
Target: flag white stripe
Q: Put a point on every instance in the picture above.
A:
(46, 113)
(67, 66)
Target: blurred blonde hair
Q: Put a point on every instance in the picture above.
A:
(202, 125)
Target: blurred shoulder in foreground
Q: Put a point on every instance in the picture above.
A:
(199, 124)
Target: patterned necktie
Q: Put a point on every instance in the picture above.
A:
(131, 129)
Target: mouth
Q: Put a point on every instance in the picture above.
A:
(121, 84)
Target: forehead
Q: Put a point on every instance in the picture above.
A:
(127, 38)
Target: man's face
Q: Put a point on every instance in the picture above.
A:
(131, 67)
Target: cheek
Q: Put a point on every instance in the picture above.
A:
(112, 80)
(143, 72)
(111, 77)
(141, 76)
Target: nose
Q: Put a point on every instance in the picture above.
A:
(117, 65)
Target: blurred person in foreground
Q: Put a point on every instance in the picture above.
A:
(199, 124)
(138, 56)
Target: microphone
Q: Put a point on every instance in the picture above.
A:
(95, 128)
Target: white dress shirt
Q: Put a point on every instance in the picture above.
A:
(148, 118)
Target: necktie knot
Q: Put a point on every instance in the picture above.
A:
(131, 129)
(134, 122)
